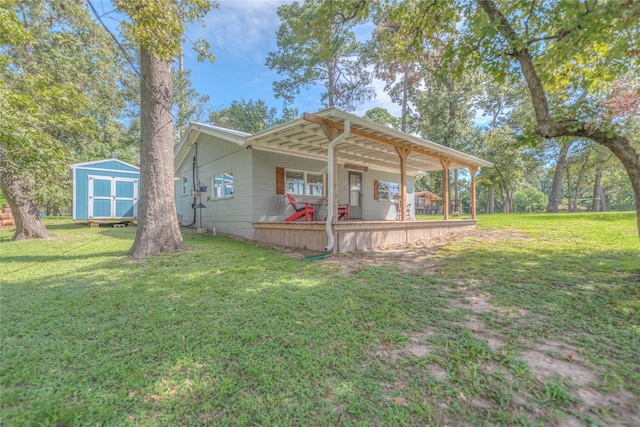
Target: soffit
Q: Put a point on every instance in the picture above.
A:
(368, 144)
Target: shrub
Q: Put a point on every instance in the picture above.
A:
(530, 200)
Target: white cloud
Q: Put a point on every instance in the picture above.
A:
(381, 100)
(241, 29)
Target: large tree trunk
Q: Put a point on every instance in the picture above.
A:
(556, 187)
(619, 145)
(26, 214)
(158, 230)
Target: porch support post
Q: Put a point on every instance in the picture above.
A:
(473, 170)
(445, 184)
(332, 169)
(334, 205)
(403, 153)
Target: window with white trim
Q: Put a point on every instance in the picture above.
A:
(388, 190)
(301, 183)
(222, 185)
(185, 186)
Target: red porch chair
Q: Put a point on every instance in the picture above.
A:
(343, 210)
(302, 209)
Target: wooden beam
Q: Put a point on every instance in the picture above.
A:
(473, 171)
(356, 167)
(403, 153)
(445, 185)
(380, 139)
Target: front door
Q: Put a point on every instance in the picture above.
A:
(355, 195)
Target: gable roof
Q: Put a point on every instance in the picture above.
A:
(95, 163)
(194, 130)
(369, 144)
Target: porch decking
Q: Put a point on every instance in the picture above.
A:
(354, 235)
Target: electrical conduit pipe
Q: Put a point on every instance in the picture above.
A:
(330, 166)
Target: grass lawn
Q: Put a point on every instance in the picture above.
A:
(532, 319)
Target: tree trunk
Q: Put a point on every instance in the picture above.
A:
(403, 119)
(158, 230)
(568, 190)
(26, 214)
(556, 187)
(603, 200)
(491, 201)
(597, 189)
(576, 193)
(619, 145)
(331, 86)
(508, 201)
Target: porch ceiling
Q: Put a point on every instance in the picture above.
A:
(368, 144)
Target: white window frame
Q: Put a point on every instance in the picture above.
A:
(225, 186)
(185, 186)
(387, 190)
(306, 185)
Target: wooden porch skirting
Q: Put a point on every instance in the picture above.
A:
(354, 235)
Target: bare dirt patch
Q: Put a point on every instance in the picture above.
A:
(545, 359)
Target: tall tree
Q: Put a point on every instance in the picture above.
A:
(384, 117)
(158, 28)
(400, 74)
(317, 46)
(60, 79)
(251, 116)
(188, 105)
(547, 41)
(556, 187)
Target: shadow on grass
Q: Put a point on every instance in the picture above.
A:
(233, 333)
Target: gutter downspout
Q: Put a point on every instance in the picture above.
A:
(331, 161)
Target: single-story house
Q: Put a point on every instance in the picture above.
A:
(105, 190)
(238, 183)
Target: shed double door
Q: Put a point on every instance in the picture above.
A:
(113, 197)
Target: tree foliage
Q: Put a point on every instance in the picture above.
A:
(530, 200)
(251, 116)
(188, 104)
(569, 53)
(317, 46)
(60, 98)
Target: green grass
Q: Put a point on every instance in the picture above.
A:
(237, 333)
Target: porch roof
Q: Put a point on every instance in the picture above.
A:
(369, 144)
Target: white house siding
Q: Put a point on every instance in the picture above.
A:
(267, 205)
(227, 215)
(384, 209)
(270, 207)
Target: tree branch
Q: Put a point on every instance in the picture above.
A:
(539, 98)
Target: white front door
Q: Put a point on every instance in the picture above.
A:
(355, 195)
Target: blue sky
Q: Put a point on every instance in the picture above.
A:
(241, 34)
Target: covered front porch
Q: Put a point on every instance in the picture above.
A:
(369, 167)
(354, 235)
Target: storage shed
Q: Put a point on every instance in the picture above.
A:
(105, 190)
